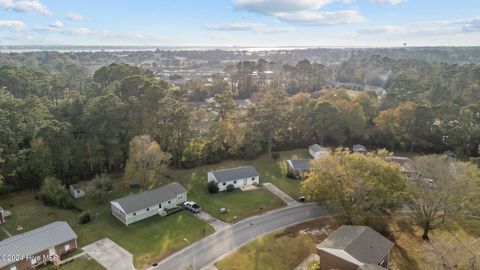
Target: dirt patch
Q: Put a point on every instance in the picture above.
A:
(319, 229)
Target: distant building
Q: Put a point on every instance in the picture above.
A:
(143, 205)
(318, 151)
(238, 177)
(298, 167)
(355, 248)
(78, 189)
(31, 249)
(359, 148)
(407, 166)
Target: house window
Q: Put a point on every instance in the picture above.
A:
(148, 209)
(224, 183)
(169, 202)
(78, 190)
(235, 181)
(67, 247)
(160, 205)
(134, 214)
(253, 178)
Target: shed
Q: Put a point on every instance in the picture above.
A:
(318, 151)
(298, 166)
(78, 189)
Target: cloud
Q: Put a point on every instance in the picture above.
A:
(58, 27)
(301, 11)
(252, 27)
(26, 6)
(428, 28)
(322, 17)
(73, 16)
(389, 2)
(54, 27)
(12, 25)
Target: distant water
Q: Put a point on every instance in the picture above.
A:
(21, 49)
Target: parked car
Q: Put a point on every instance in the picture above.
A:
(192, 206)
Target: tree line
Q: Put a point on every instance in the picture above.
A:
(74, 127)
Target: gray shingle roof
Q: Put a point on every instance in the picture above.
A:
(235, 173)
(149, 198)
(315, 148)
(300, 164)
(359, 147)
(361, 242)
(35, 241)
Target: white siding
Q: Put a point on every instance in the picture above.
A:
(222, 186)
(155, 209)
(76, 193)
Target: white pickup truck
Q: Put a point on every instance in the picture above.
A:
(192, 206)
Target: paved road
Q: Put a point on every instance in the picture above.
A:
(211, 248)
(280, 194)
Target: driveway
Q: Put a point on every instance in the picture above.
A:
(110, 255)
(219, 244)
(213, 221)
(280, 194)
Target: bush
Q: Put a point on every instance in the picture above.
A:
(291, 175)
(54, 193)
(230, 188)
(84, 218)
(212, 187)
(275, 155)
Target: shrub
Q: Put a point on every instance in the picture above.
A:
(54, 193)
(275, 155)
(212, 187)
(230, 188)
(292, 175)
(84, 218)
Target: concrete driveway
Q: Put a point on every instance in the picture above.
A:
(280, 194)
(213, 221)
(110, 255)
(206, 251)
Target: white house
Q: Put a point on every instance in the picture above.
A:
(78, 189)
(317, 151)
(142, 205)
(238, 177)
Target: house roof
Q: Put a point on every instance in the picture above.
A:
(300, 164)
(405, 163)
(149, 198)
(316, 148)
(80, 185)
(359, 147)
(235, 173)
(35, 241)
(361, 242)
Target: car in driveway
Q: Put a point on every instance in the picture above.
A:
(192, 207)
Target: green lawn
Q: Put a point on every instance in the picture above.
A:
(156, 237)
(148, 240)
(78, 264)
(281, 250)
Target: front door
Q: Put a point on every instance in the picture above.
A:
(245, 181)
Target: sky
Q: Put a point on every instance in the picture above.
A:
(256, 23)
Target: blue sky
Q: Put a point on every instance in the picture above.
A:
(372, 23)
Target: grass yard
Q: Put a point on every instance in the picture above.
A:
(148, 240)
(78, 264)
(451, 245)
(246, 203)
(281, 250)
(157, 237)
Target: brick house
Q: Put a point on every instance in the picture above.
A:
(30, 249)
(355, 248)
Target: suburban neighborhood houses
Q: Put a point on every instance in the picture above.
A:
(142, 205)
(35, 247)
